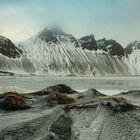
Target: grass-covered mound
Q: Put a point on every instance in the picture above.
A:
(59, 98)
(118, 104)
(64, 89)
(13, 101)
(91, 93)
(15, 94)
(60, 88)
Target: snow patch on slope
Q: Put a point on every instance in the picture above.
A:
(133, 62)
(64, 57)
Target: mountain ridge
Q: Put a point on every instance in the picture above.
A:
(54, 51)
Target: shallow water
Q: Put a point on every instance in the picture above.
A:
(107, 85)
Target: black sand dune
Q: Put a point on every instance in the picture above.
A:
(60, 113)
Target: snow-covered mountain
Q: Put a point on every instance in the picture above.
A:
(133, 57)
(8, 49)
(53, 51)
(12, 58)
(111, 46)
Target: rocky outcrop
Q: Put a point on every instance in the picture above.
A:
(55, 36)
(13, 60)
(50, 35)
(8, 49)
(111, 46)
(96, 116)
(132, 46)
(132, 57)
(88, 42)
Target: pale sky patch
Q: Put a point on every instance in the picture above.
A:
(113, 19)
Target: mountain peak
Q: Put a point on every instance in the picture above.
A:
(53, 30)
(8, 48)
(88, 42)
(135, 45)
(51, 34)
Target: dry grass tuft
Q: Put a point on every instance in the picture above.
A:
(14, 101)
(15, 94)
(122, 104)
(119, 99)
(118, 104)
(59, 98)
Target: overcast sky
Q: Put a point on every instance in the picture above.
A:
(113, 19)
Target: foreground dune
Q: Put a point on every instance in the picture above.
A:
(61, 113)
